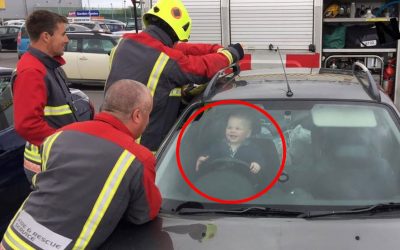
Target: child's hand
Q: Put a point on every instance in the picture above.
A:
(200, 161)
(255, 167)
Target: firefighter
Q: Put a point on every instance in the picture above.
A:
(85, 190)
(155, 58)
(40, 92)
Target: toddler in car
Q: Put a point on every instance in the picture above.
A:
(235, 145)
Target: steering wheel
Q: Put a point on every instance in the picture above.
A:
(226, 178)
(224, 163)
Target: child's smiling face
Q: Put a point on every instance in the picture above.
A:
(237, 130)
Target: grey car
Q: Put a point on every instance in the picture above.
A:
(8, 37)
(336, 187)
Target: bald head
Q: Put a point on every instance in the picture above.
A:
(124, 96)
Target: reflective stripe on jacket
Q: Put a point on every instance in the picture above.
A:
(150, 58)
(84, 191)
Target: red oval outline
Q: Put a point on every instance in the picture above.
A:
(229, 102)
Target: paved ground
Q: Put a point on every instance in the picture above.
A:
(10, 58)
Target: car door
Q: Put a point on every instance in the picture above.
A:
(94, 60)
(71, 55)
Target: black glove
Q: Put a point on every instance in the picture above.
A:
(238, 48)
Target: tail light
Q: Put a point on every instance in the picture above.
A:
(19, 38)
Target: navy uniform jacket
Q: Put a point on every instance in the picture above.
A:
(151, 58)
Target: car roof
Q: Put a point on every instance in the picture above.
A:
(88, 34)
(75, 24)
(12, 26)
(304, 86)
(113, 21)
(10, 22)
(92, 22)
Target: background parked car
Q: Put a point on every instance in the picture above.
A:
(95, 25)
(87, 57)
(114, 25)
(19, 22)
(8, 37)
(340, 183)
(130, 24)
(72, 27)
(22, 41)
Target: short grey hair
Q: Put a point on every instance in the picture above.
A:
(126, 95)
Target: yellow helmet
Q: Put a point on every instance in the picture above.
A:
(332, 10)
(174, 13)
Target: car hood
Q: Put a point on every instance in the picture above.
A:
(215, 232)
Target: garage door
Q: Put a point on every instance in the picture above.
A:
(206, 18)
(258, 23)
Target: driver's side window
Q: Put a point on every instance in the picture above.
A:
(72, 45)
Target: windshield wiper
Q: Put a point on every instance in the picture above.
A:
(189, 205)
(255, 211)
(372, 209)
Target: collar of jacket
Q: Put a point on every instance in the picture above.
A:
(49, 62)
(113, 121)
(159, 34)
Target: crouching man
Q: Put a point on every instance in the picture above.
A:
(94, 175)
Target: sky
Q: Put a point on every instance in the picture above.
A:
(106, 3)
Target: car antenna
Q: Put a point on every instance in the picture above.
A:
(289, 92)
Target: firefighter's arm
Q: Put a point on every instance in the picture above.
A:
(145, 201)
(30, 98)
(197, 49)
(200, 69)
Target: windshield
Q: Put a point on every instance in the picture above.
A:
(131, 25)
(6, 107)
(338, 154)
